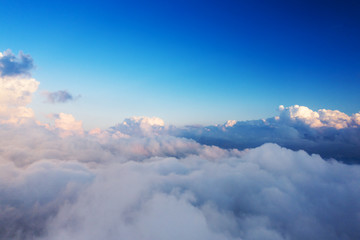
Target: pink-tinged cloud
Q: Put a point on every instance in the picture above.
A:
(67, 125)
(15, 95)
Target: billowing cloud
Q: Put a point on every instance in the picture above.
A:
(158, 186)
(67, 125)
(61, 96)
(15, 94)
(29, 196)
(10, 65)
(320, 118)
(141, 126)
(201, 192)
(268, 193)
(330, 133)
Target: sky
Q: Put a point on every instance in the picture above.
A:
(187, 62)
(197, 120)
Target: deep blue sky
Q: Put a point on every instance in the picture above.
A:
(188, 61)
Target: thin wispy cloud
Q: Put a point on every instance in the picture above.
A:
(61, 96)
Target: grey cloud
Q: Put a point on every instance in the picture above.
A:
(60, 96)
(11, 65)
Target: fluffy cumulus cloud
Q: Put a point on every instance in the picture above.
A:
(142, 179)
(316, 119)
(60, 96)
(67, 124)
(16, 87)
(141, 126)
(330, 133)
(268, 193)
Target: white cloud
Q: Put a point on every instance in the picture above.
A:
(15, 95)
(96, 186)
(230, 123)
(141, 126)
(331, 133)
(320, 118)
(67, 124)
(268, 193)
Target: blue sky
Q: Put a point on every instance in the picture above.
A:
(188, 62)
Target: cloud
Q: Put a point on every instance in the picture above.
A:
(29, 196)
(141, 126)
(16, 87)
(142, 179)
(61, 96)
(320, 118)
(268, 193)
(15, 95)
(158, 186)
(10, 65)
(67, 125)
(330, 133)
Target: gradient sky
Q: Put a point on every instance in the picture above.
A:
(188, 62)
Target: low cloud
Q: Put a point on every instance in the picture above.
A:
(268, 193)
(12, 65)
(157, 186)
(61, 96)
(164, 187)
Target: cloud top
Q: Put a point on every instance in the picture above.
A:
(141, 126)
(320, 118)
(15, 94)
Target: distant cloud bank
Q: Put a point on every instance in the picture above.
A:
(332, 134)
(143, 179)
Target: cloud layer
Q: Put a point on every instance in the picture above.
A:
(268, 193)
(160, 187)
(142, 179)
